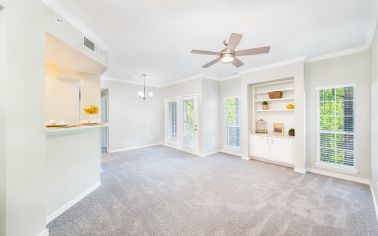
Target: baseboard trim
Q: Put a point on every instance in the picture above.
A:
(230, 152)
(132, 148)
(44, 233)
(374, 200)
(299, 170)
(340, 176)
(209, 153)
(72, 202)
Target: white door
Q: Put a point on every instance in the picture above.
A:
(259, 146)
(189, 124)
(281, 150)
(181, 123)
(172, 123)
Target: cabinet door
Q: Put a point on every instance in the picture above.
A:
(259, 146)
(281, 150)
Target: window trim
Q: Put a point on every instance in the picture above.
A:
(229, 147)
(334, 166)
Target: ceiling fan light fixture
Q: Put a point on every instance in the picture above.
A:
(227, 58)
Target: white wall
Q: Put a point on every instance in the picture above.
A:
(350, 69)
(210, 117)
(25, 147)
(2, 124)
(374, 114)
(133, 122)
(227, 88)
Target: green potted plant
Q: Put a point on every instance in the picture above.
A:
(291, 132)
(265, 105)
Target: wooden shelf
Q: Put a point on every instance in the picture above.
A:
(274, 100)
(282, 90)
(275, 110)
(275, 83)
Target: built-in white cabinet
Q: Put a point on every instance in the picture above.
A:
(273, 148)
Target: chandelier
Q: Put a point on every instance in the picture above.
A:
(143, 95)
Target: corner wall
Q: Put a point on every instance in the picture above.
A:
(374, 114)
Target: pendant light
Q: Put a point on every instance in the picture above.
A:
(143, 95)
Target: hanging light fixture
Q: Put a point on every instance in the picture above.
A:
(143, 95)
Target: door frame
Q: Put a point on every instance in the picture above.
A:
(179, 113)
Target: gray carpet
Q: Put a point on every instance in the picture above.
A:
(161, 191)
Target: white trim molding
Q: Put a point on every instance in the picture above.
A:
(135, 147)
(342, 53)
(44, 233)
(209, 153)
(301, 171)
(125, 81)
(339, 176)
(274, 65)
(72, 202)
(234, 153)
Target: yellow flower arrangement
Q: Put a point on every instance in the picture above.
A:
(91, 110)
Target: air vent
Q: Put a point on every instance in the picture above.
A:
(89, 44)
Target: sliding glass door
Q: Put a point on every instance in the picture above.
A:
(181, 123)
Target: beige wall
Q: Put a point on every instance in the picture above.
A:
(133, 122)
(227, 88)
(62, 97)
(374, 114)
(210, 117)
(350, 69)
(2, 124)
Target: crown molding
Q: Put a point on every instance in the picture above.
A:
(274, 65)
(185, 79)
(124, 81)
(58, 8)
(338, 54)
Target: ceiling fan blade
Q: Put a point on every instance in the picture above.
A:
(211, 63)
(205, 52)
(234, 41)
(252, 51)
(237, 63)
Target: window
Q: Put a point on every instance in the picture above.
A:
(233, 122)
(336, 126)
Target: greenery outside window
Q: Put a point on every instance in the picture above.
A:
(233, 122)
(336, 126)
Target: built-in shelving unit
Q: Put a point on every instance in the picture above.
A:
(278, 111)
(271, 147)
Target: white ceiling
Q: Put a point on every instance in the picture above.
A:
(156, 36)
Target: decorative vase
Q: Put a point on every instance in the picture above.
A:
(92, 118)
(265, 107)
(292, 132)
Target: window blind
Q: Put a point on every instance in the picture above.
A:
(233, 121)
(336, 126)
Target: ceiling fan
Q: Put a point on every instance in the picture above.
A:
(228, 55)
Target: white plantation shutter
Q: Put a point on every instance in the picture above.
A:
(336, 126)
(233, 121)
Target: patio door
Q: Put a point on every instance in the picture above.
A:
(182, 123)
